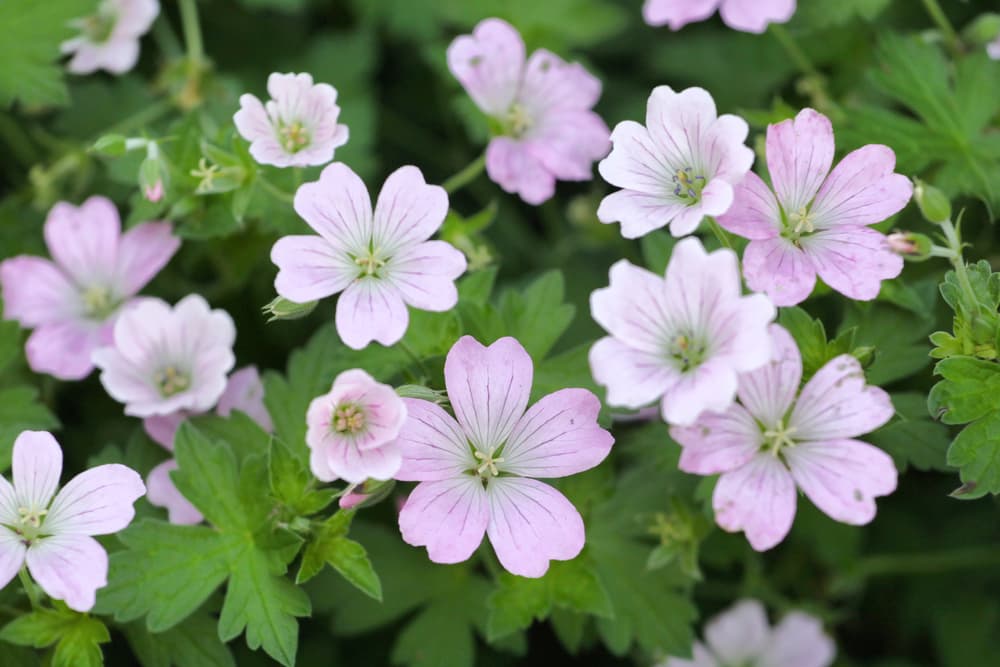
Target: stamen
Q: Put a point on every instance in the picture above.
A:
(98, 302)
(687, 184)
(31, 516)
(779, 437)
(348, 418)
(802, 222)
(371, 263)
(489, 463)
(293, 137)
(171, 381)
(517, 121)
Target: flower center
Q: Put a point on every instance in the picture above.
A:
(488, 467)
(797, 224)
(348, 418)
(370, 263)
(293, 136)
(778, 438)
(517, 122)
(686, 352)
(688, 185)
(30, 522)
(171, 381)
(98, 27)
(98, 302)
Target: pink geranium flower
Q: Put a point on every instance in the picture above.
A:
(993, 48)
(381, 261)
(476, 470)
(244, 392)
(353, 428)
(772, 442)
(53, 536)
(677, 169)
(744, 15)
(541, 110)
(72, 302)
(298, 125)
(818, 222)
(741, 635)
(167, 359)
(680, 339)
(109, 38)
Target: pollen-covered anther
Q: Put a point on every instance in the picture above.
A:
(489, 462)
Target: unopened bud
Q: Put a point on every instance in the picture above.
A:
(281, 308)
(984, 29)
(421, 392)
(865, 355)
(110, 145)
(153, 174)
(933, 203)
(369, 493)
(911, 246)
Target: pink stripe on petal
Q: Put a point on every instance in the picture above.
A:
(836, 403)
(634, 307)
(408, 210)
(12, 554)
(718, 443)
(369, 310)
(758, 499)
(633, 378)
(337, 207)
(799, 157)
(37, 464)
(36, 291)
(779, 269)
(862, 189)
(142, 252)
(69, 568)
(425, 275)
(310, 268)
(853, 260)
(754, 213)
(448, 517)
(98, 501)
(432, 444)
(768, 392)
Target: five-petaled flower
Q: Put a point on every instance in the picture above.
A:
(540, 109)
(476, 469)
(52, 536)
(772, 442)
(109, 38)
(682, 338)
(167, 359)
(741, 635)
(353, 428)
(74, 301)
(380, 260)
(677, 169)
(298, 125)
(818, 222)
(743, 15)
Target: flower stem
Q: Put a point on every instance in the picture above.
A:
(466, 176)
(794, 51)
(192, 31)
(404, 346)
(166, 39)
(29, 588)
(941, 19)
(719, 232)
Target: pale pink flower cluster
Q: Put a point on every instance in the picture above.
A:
(741, 635)
(51, 533)
(544, 129)
(743, 15)
(109, 38)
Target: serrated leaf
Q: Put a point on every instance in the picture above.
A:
(913, 439)
(77, 636)
(970, 389)
(20, 410)
(292, 483)
(537, 317)
(976, 452)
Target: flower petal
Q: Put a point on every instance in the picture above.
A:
(718, 443)
(162, 492)
(710, 387)
(799, 156)
(36, 292)
(754, 213)
(96, 502)
(245, 393)
(530, 524)
(755, 15)
(558, 436)
(338, 207)
(432, 444)
(37, 463)
(768, 392)
(9, 515)
(511, 165)
(310, 268)
(798, 640)
(347, 461)
(842, 477)
(448, 517)
(84, 240)
(12, 553)
(853, 260)
(701, 657)
(408, 210)
(568, 141)
(758, 499)
(862, 190)
(552, 83)
(425, 275)
(488, 388)
(632, 377)
(739, 634)
(780, 270)
(635, 161)
(69, 568)
(163, 428)
(142, 252)
(633, 307)
(371, 309)
(836, 403)
(638, 213)
(677, 13)
(63, 349)
(489, 64)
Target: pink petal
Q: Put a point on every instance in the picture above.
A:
(163, 428)
(842, 477)
(710, 387)
(836, 403)
(512, 166)
(371, 309)
(799, 156)
(718, 443)
(558, 436)
(488, 388)
(448, 517)
(338, 207)
(862, 189)
(741, 333)
(489, 64)
(432, 444)
(136, 17)
(8, 504)
(697, 282)
(567, 142)
(754, 15)
(162, 492)
(635, 162)
(142, 252)
(69, 568)
(408, 210)
(252, 121)
(768, 392)
(632, 377)
(716, 199)
(677, 13)
(754, 213)
(96, 502)
(853, 260)
(126, 383)
(552, 83)
(12, 553)
(84, 240)
(347, 461)
(638, 213)
(758, 499)
(634, 307)
(780, 270)
(798, 640)
(310, 268)
(530, 524)
(63, 349)
(245, 393)
(37, 463)
(35, 291)
(679, 122)
(738, 635)
(425, 275)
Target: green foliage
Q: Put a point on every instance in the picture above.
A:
(191, 643)
(810, 336)
(77, 637)
(330, 545)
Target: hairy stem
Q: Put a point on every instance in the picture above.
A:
(941, 19)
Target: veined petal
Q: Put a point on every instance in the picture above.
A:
(758, 499)
(754, 213)
(511, 165)
(639, 213)
(836, 403)
(69, 568)
(37, 464)
(36, 292)
(63, 348)
(768, 392)
(8, 504)
(680, 123)
(12, 553)
(699, 284)
(557, 436)
(799, 156)
(853, 260)
(635, 162)
(369, 310)
(862, 190)
(488, 388)
(779, 269)
(632, 377)
(84, 240)
(338, 207)
(448, 517)
(425, 275)
(552, 83)
(349, 462)
(739, 634)
(634, 307)
(842, 477)
(142, 252)
(489, 64)
(310, 268)
(95, 502)
(798, 640)
(162, 492)
(718, 442)
(408, 210)
(530, 524)
(711, 387)
(432, 444)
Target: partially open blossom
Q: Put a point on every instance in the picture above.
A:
(773, 441)
(381, 260)
(353, 428)
(679, 339)
(677, 169)
(109, 38)
(544, 129)
(743, 15)
(477, 469)
(742, 636)
(298, 125)
(51, 532)
(72, 302)
(993, 48)
(165, 359)
(816, 220)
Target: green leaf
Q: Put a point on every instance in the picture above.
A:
(537, 317)
(192, 643)
(976, 452)
(208, 477)
(293, 484)
(77, 636)
(913, 439)
(331, 545)
(898, 336)
(21, 411)
(656, 249)
(823, 14)
(970, 389)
